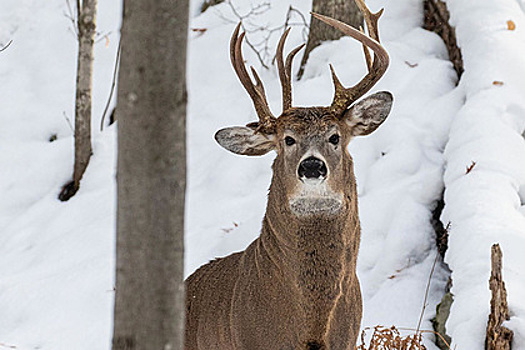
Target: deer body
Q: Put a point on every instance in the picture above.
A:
(295, 287)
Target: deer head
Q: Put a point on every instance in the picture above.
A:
(313, 166)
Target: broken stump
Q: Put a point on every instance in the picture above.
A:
(498, 336)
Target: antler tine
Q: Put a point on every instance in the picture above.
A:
(256, 92)
(344, 97)
(371, 20)
(285, 70)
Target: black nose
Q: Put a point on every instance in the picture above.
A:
(312, 167)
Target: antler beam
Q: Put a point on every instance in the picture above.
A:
(344, 97)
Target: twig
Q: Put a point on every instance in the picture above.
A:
(254, 11)
(6, 45)
(426, 293)
(262, 49)
(470, 167)
(426, 331)
(72, 18)
(99, 36)
(113, 83)
(68, 121)
(303, 19)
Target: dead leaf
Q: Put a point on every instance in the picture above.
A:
(230, 229)
(470, 167)
(497, 83)
(511, 25)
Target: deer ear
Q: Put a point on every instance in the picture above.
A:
(366, 115)
(245, 141)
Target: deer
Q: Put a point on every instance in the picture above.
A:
(295, 286)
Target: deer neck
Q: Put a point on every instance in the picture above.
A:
(312, 251)
(315, 256)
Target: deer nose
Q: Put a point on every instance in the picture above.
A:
(312, 167)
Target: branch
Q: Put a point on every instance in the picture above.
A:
(262, 49)
(113, 83)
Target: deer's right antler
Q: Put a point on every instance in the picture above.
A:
(344, 97)
(256, 91)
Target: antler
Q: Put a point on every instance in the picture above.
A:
(344, 97)
(256, 91)
(285, 71)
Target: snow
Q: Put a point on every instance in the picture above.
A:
(57, 259)
(484, 206)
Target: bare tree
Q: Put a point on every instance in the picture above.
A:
(342, 10)
(86, 15)
(149, 301)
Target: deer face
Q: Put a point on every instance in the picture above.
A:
(312, 164)
(313, 167)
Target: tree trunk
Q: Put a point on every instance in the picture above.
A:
(343, 10)
(86, 36)
(149, 301)
(498, 336)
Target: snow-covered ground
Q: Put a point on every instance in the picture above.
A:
(487, 205)
(57, 259)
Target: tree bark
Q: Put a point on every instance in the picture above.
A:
(437, 20)
(86, 36)
(149, 301)
(342, 10)
(498, 336)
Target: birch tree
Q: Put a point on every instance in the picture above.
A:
(86, 27)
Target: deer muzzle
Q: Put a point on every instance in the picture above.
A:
(312, 168)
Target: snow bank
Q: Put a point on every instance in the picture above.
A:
(486, 205)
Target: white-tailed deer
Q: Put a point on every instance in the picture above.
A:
(295, 287)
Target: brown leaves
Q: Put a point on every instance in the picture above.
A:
(511, 25)
(385, 338)
(497, 83)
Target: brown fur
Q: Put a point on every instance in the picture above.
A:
(294, 287)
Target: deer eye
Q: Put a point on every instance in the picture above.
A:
(289, 140)
(334, 139)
